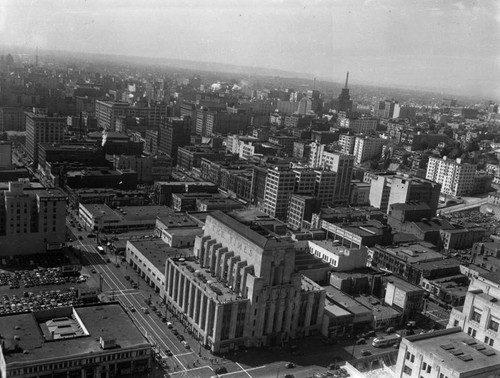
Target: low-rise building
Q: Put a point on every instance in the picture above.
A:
(98, 340)
(340, 258)
(102, 218)
(357, 234)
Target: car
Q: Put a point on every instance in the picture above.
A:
(175, 332)
(333, 366)
(220, 370)
(180, 337)
(127, 278)
(164, 319)
(80, 237)
(108, 260)
(145, 310)
(170, 325)
(390, 329)
(168, 352)
(94, 270)
(366, 352)
(134, 285)
(131, 308)
(289, 365)
(185, 344)
(91, 236)
(289, 376)
(361, 341)
(411, 324)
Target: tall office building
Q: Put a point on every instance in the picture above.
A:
(343, 166)
(31, 219)
(325, 187)
(241, 289)
(305, 181)
(280, 184)
(41, 128)
(5, 154)
(347, 142)
(456, 178)
(367, 148)
(172, 134)
(12, 118)
(344, 100)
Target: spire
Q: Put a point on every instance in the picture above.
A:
(346, 79)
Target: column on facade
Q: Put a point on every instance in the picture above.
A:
(233, 322)
(231, 270)
(201, 251)
(237, 276)
(209, 261)
(243, 284)
(185, 299)
(224, 265)
(217, 321)
(213, 256)
(190, 301)
(219, 252)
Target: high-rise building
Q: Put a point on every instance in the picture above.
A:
(301, 209)
(386, 190)
(343, 166)
(241, 288)
(41, 128)
(344, 100)
(456, 178)
(31, 219)
(347, 142)
(280, 184)
(305, 181)
(367, 148)
(107, 112)
(5, 154)
(173, 133)
(359, 125)
(325, 186)
(12, 118)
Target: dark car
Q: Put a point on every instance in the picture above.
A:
(289, 365)
(361, 341)
(220, 370)
(175, 332)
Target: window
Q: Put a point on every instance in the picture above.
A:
(406, 370)
(493, 324)
(412, 359)
(429, 368)
(424, 366)
(476, 315)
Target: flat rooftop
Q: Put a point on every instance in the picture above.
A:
(456, 350)
(127, 214)
(177, 220)
(156, 251)
(333, 247)
(107, 320)
(413, 252)
(345, 301)
(377, 307)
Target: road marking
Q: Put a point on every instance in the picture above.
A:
(244, 370)
(184, 354)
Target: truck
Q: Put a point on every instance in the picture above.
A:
(383, 341)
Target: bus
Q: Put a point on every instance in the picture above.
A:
(100, 250)
(386, 340)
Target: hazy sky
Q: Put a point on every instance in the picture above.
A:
(449, 45)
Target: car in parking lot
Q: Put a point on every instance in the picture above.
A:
(175, 332)
(185, 344)
(131, 308)
(361, 341)
(94, 270)
(366, 352)
(170, 325)
(127, 278)
(168, 352)
(145, 310)
(134, 285)
(180, 337)
(289, 365)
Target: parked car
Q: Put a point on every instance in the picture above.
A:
(170, 325)
(366, 352)
(220, 370)
(289, 365)
(361, 341)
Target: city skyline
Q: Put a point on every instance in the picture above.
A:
(445, 45)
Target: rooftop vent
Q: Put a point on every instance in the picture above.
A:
(107, 342)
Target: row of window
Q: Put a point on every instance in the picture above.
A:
(76, 363)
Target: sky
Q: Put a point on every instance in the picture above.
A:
(445, 45)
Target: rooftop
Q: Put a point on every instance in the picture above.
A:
(345, 301)
(157, 252)
(127, 213)
(176, 220)
(98, 320)
(413, 252)
(456, 350)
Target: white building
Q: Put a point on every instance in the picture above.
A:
(456, 178)
(367, 148)
(341, 258)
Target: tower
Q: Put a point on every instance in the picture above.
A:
(344, 100)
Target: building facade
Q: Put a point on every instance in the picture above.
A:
(244, 290)
(456, 178)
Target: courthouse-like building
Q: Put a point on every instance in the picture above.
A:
(241, 288)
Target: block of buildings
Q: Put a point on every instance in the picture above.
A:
(241, 270)
(342, 259)
(456, 178)
(357, 234)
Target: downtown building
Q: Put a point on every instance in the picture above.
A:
(41, 128)
(173, 133)
(241, 288)
(367, 148)
(32, 220)
(456, 178)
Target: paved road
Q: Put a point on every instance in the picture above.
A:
(471, 204)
